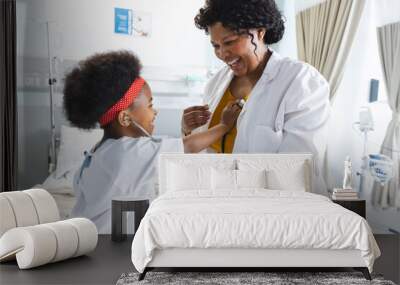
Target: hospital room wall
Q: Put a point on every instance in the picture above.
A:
(363, 64)
(81, 28)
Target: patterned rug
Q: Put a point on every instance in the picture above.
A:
(244, 278)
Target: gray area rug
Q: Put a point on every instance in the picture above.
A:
(243, 278)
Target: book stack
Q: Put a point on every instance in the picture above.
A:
(344, 194)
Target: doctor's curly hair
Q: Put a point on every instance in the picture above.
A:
(96, 84)
(239, 15)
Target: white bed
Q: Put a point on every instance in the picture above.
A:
(194, 223)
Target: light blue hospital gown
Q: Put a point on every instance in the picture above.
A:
(122, 167)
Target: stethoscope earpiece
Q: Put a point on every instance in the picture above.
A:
(144, 131)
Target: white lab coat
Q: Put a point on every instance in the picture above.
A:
(122, 167)
(287, 111)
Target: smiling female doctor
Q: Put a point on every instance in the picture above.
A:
(286, 101)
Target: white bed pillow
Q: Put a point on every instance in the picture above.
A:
(226, 179)
(72, 146)
(280, 181)
(251, 179)
(282, 174)
(223, 179)
(183, 177)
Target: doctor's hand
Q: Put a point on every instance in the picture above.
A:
(194, 117)
(230, 114)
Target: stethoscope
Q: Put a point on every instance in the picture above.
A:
(88, 155)
(146, 133)
(240, 103)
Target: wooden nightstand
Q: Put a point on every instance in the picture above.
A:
(356, 205)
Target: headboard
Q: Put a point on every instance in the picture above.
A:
(284, 163)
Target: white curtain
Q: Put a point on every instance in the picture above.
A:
(389, 47)
(325, 34)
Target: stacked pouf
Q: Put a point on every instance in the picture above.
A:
(31, 232)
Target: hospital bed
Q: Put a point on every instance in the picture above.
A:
(70, 147)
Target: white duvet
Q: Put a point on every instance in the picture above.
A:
(250, 219)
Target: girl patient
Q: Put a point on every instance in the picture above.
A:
(107, 89)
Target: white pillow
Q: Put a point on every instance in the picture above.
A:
(72, 146)
(278, 180)
(183, 177)
(223, 179)
(282, 174)
(251, 179)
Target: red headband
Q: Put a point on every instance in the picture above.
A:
(123, 103)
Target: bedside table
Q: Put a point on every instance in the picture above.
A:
(119, 205)
(357, 206)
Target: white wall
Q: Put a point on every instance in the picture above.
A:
(85, 27)
(301, 5)
(287, 46)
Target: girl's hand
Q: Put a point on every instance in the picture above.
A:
(194, 117)
(230, 114)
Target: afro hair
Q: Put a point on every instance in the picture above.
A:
(239, 15)
(96, 84)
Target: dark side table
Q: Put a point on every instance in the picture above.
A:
(119, 207)
(355, 205)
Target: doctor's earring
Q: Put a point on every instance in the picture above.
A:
(261, 34)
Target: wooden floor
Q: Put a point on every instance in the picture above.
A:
(110, 260)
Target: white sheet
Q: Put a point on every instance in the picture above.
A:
(65, 204)
(61, 185)
(250, 219)
(62, 191)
